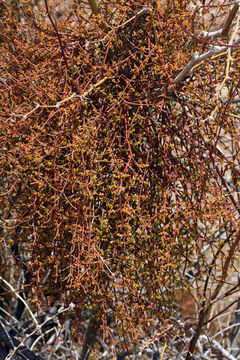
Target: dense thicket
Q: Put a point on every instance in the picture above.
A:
(115, 176)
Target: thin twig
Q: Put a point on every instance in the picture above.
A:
(38, 328)
(74, 89)
(21, 298)
(215, 50)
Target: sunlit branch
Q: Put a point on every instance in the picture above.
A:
(214, 50)
(96, 11)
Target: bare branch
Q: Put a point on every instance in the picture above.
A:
(229, 20)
